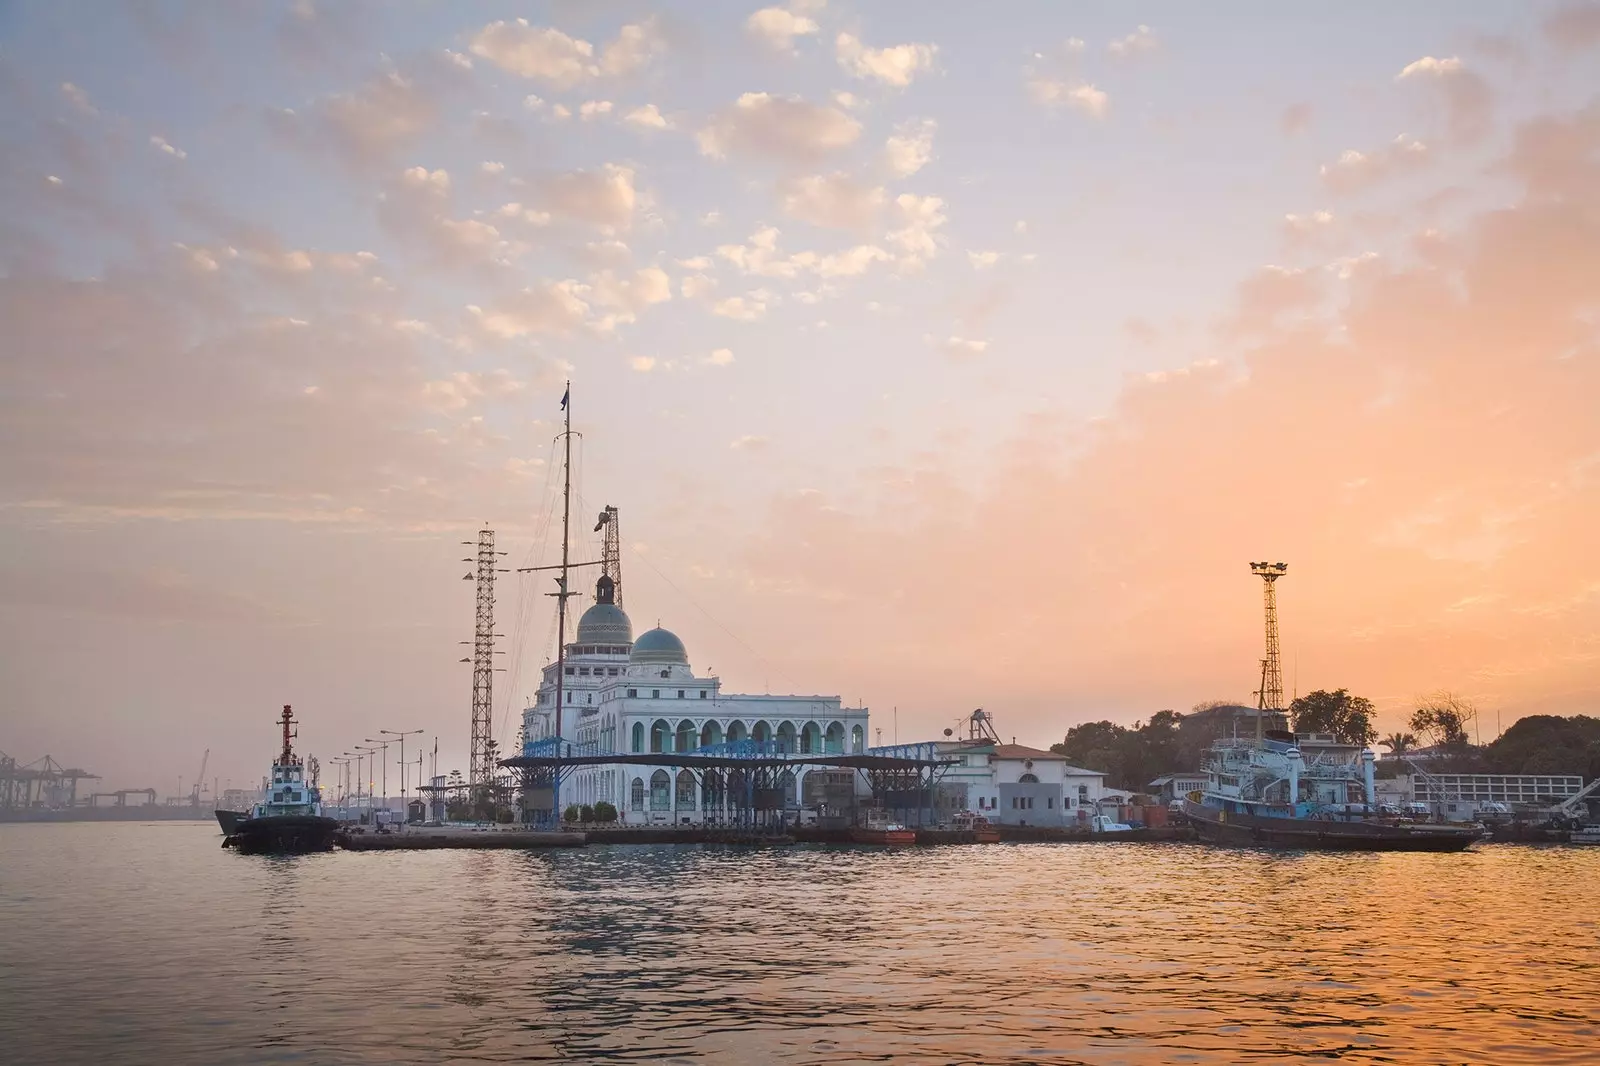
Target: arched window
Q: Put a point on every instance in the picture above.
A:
(660, 735)
(761, 732)
(786, 737)
(737, 732)
(810, 739)
(660, 791)
(710, 733)
(858, 740)
(786, 784)
(685, 791)
(1028, 779)
(637, 796)
(687, 736)
(638, 740)
(833, 740)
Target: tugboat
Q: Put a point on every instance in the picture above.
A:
(289, 818)
(1287, 790)
(880, 830)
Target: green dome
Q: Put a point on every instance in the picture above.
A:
(604, 623)
(659, 646)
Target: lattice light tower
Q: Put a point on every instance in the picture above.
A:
(611, 550)
(1271, 696)
(482, 774)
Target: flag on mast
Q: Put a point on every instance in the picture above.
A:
(564, 397)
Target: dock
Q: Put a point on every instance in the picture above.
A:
(429, 838)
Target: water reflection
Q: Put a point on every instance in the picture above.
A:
(1076, 953)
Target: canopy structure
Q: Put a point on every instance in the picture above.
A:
(747, 784)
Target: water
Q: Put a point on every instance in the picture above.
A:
(148, 943)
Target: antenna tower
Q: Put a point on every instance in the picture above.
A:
(611, 550)
(482, 776)
(1271, 693)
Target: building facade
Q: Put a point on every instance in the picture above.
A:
(621, 695)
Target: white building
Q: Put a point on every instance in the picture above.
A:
(1176, 786)
(621, 695)
(1014, 784)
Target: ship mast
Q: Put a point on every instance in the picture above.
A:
(1271, 693)
(287, 718)
(561, 592)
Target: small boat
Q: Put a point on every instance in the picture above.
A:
(982, 830)
(288, 820)
(879, 830)
(1589, 834)
(1287, 790)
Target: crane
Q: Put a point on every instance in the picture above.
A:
(1573, 807)
(199, 780)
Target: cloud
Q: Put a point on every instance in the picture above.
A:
(696, 286)
(642, 363)
(465, 388)
(1084, 98)
(962, 346)
(161, 145)
(605, 197)
(630, 294)
(835, 201)
(719, 357)
(1338, 444)
(1355, 171)
(1306, 228)
(911, 147)
(895, 66)
(78, 98)
(592, 109)
(1295, 119)
(777, 27)
(919, 238)
(741, 308)
(545, 54)
(983, 260)
(417, 208)
(374, 125)
(1573, 28)
(647, 117)
(545, 308)
(1139, 42)
(1469, 103)
(748, 443)
(779, 127)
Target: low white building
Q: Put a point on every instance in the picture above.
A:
(621, 695)
(1030, 786)
(1176, 786)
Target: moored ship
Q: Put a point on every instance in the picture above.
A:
(1309, 790)
(288, 820)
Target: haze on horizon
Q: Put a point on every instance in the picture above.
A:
(934, 359)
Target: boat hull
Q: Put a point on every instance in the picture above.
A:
(883, 836)
(283, 834)
(229, 820)
(1246, 830)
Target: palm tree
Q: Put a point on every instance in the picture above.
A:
(1399, 743)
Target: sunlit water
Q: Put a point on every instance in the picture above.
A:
(150, 944)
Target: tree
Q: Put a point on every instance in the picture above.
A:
(1399, 743)
(1443, 718)
(586, 813)
(1347, 717)
(571, 813)
(1548, 744)
(605, 812)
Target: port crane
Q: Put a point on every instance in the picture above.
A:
(1574, 806)
(199, 780)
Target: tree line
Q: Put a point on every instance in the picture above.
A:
(1170, 741)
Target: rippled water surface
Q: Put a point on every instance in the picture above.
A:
(150, 944)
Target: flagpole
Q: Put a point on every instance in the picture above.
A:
(561, 599)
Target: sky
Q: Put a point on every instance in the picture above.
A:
(937, 356)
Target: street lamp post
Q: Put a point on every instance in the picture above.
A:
(402, 734)
(384, 745)
(370, 754)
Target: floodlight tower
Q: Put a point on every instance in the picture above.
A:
(1271, 695)
(483, 653)
(611, 550)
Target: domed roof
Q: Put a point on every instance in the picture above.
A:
(659, 646)
(604, 623)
